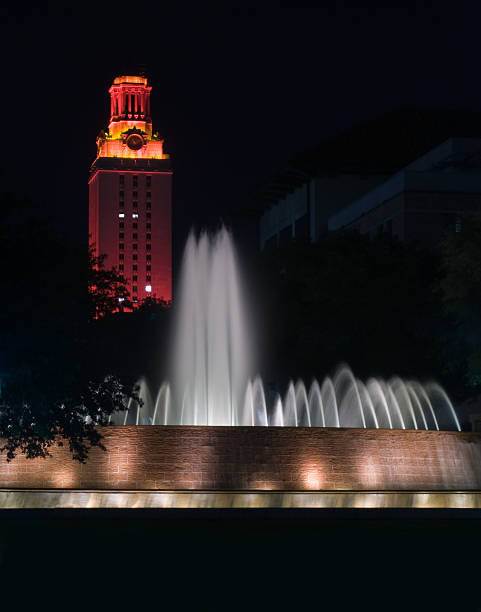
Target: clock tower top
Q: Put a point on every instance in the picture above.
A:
(130, 128)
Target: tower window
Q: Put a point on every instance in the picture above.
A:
(149, 236)
(148, 206)
(148, 268)
(121, 204)
(121, 215)
(121, 225)
(134, 225)
(121, 267)
(134, 236)
(147, 246)
(135, 181)
(148, 226)
(148, 279)
(149, 195)
(148, 288)
(148, 257)
(134, 267)
(121, 246)
(148, 181)
(135, 256)
(121, 180)
(134, 246)
(134, 278)
(149, 215)
(135, 215)
(121, 195)
(135, 204)
(134, 289)
(135, 194)
(121, 256)
(121, 236)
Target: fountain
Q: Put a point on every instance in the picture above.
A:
(214, 385)
(220, 438)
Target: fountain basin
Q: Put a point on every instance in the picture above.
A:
(259, 459)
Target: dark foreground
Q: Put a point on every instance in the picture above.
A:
(271, 560)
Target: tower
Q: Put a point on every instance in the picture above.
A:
(130, 193)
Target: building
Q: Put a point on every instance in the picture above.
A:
(302, 211)
(411, 173)
(130, 194)
(425, 200)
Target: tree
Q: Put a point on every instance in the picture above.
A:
(107, 288)
(349, 298)
(34, 415)
(460, 287)
(54, 388)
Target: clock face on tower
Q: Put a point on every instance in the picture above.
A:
(135, 142)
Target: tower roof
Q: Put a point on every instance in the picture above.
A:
(130, 80)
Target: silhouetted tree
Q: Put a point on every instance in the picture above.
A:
(460, 287)
(54, 387)
(107, 288)
(349, 298)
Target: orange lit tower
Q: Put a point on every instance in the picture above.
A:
(130, 194)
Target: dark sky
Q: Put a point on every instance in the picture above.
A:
(237, 88)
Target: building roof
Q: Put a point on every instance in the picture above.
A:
(382, 145)
(389, 142)
(453, 166)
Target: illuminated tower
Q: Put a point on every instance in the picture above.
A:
(130, 193)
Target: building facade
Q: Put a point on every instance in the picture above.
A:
(130, 194)
(424, 201)
(302, 213)
(413, 174)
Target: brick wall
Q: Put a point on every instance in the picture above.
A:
(246, 458)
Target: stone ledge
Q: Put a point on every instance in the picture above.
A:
(56, 499)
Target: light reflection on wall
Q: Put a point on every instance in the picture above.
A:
(66, 478)
(259, 484)
(368, 473)
(312, 476)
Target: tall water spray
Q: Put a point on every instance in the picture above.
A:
(212, 355)
(212, 367)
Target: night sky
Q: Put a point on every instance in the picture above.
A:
(238, 89)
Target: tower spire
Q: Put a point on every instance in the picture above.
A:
(130, 128)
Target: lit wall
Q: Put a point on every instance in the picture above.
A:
(261, 459)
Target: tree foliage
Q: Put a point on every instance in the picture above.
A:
(460, 287)
(349, 298)
(55, 389)
(107, 288)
